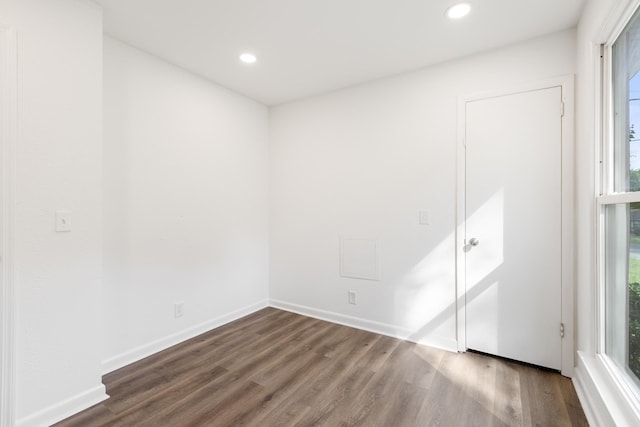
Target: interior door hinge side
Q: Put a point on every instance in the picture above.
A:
(561, 330)
(561, 109)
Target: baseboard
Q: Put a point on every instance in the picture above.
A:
(603, 402)
(365, 324)
(591, 403)
(65, 409)
(148, 349)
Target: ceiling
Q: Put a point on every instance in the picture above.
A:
(307, 47)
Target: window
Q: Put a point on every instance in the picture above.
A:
(620, 210)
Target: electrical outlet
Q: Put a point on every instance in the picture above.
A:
(352, 297)
(178, 309)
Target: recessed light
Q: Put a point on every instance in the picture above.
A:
(458, 10)
(248, 58)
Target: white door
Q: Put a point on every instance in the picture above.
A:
(513, 226)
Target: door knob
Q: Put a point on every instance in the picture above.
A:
(474, 242)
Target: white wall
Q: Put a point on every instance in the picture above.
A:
(185, 204)
(58, 166)
(363, 161)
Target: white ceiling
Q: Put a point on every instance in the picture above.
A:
(306, 47)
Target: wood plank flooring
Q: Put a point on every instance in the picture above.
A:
(275, 368)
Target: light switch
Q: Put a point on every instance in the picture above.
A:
(63, 221)
(423, 217)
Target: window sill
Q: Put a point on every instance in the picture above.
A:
(603, 400)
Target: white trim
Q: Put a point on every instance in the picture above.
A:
(603, 401)
(393, 331)
(558, 81)
(566, 83)
(618, 18)
(623, 198)
(600, 156)
(65, 409)
(599, 294)
(153, 347)
(568, 225)
(622, 385)
(8, 136)
(592, 403)
(461, 266)
(602, 388)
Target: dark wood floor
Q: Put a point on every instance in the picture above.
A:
(275, 368)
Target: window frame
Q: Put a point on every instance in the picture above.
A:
(606, 195)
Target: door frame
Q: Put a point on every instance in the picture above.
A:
(566, 83)
(8, 138)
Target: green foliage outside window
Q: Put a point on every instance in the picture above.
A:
(634, 180)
